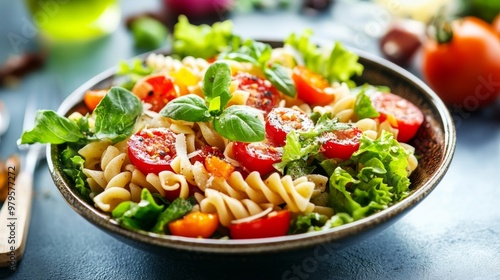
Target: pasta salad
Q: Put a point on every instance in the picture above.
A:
(231, 138)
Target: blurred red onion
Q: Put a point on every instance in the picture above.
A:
(197, 9)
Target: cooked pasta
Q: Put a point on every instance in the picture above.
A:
(227, 208)
(245, 139)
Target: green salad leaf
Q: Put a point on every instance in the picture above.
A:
(132, 72)
(203, 41)
(72, 164)
(176, 210)
(138, 216)
(307, 223)
(378, 178)
(336, 65)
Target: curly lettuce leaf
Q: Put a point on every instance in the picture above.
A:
(381, 178)
(72, 164)
(337, 64)
(203, 41)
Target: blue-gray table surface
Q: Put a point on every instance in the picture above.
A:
(452, 234)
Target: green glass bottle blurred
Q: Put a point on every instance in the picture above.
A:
(74, 20)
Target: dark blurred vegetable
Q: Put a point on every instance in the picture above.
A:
(402, 40)
(462, 63)
(197, 9)
(18, 66)
(313, 7)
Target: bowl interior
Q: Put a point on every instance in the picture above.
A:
(434, 143)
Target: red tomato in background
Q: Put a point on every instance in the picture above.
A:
(466, 70)
(273, 225)
(256, 156)
(496, 24)
(311, 86)
(151, 150)
(156, 90)
(341, 143)
(280, 121)
(408, 117)
(263, 95)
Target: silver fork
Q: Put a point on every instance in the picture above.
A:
(16, 211)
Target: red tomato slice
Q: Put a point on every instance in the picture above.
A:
(156, 90)
(408, 116)
(256, 156)
(341, 143)
(281, 121)
(263, 95)
(151, 150)
(311, 86)
(205, 152)
(273, 225)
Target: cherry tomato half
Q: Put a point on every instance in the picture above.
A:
(273, 225)
(263, 95)
(93, 97)
(408, 116)
(195, 224)
(280, 121)
(256, 156)
(156, 90)
(151, 150)
(311, 86)
(341, 143)
(206, 151)
(464, 71)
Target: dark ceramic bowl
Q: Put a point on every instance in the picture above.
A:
(434, 143)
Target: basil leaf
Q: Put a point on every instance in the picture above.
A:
(281, 79)
(116, 114)
(363, 107)
(52, 128)
(216, 83)
(240, 123)
(240, 57)
(191, 108)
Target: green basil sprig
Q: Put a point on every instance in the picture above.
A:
(236, 123)
(258, 54)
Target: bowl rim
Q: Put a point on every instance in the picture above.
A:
(273, 244)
